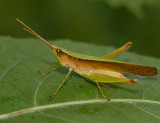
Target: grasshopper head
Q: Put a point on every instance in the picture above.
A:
(57, 52)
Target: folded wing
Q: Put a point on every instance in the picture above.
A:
(125, 67)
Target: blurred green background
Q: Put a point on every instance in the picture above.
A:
(104, 22)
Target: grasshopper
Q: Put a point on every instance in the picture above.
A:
(97, 69)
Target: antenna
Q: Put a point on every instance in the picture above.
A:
(28, 29)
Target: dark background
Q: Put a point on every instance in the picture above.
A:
(104, 22)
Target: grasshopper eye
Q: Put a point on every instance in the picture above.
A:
(59, 52)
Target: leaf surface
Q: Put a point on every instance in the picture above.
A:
(25, 92)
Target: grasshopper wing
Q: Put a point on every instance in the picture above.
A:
(124, 67)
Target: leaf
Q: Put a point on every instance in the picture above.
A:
(134, 6)
(24, 93)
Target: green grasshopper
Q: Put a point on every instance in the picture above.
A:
(97, 69)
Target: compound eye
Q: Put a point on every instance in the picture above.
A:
(59, 52)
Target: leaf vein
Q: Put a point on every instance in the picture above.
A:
(38, 87)
(74, 103)
(148, 112)
(11, 67)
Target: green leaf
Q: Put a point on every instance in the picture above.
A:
(24, 92)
